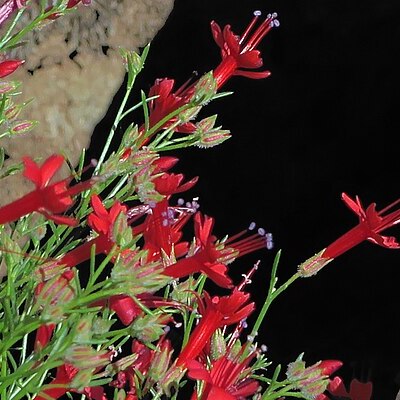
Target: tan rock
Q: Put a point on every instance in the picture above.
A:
(72, 80)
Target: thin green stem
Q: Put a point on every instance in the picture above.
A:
(192, 317)
(273, 293)
(113, 129)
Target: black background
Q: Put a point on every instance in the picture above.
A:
(325, 122)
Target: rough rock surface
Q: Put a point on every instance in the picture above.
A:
(72, 71)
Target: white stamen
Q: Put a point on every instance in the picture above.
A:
(263, 348)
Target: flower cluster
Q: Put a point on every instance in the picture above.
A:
(109, 284)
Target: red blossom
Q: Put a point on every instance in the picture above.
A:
(161, 229)
(371, 223)
(239, 53)
(216, 312)
(227, 379)
(48, 199)
(167, 102)
(101, 221)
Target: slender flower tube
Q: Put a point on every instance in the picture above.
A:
(49, 200)
(216, 312)
(239, 53)
(371, 224)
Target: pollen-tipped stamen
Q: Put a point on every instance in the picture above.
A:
(261, 31)
(246, 33)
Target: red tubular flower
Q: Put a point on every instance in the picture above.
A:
(101, 221)
(162, 228)
(167, 102)
(9, 66)
(216, 312)
(49, 200)
(212, 257)
(239, 52)
(239, 55)
(228, 379)
(358, 390)
(371, 224)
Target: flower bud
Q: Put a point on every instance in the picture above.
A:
(150, 328)
(206, 124)
(122, 233)
(19, 127)
(13, 111)
(54, 295)
(213, 138)
(9, 86)
(83, 330)
(205, 89)
(218, 345)
(9, 66)
(161, 361)
(48, 270)
(311, 381)
(314, 264)
(132, 61)
(85, 357)
(189, 114)
(101, 325)
(82, 379)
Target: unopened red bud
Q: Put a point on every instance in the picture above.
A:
(6, 87)
(218, 345)
(19, 127)
(207, 124)
(314, 264)
(213, 138)
(161, 361)
(9, 66)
